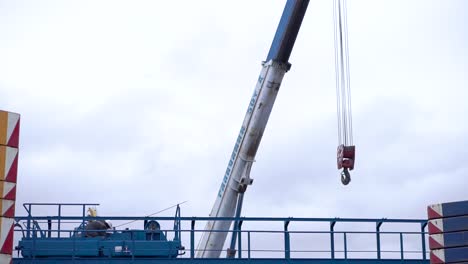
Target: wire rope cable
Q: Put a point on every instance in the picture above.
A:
(342, 73)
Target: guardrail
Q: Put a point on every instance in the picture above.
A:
(340, 242)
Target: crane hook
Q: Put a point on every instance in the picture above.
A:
(345, 176)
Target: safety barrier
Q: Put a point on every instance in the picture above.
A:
(258, 238)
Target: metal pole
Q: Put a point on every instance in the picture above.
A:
(377, 232)
(287, 253)
(74, 248)
(49, 228)
(59, 217)
(28, 233)
(423, 238)
(231, 252)
(401, 246)
(133, 245)
(84, 214)
(34, 241)
(192, 240)
(239, 233)
(248, 244)
(345, 246)
(332, 239)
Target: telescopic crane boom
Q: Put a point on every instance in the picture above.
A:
(237, 176)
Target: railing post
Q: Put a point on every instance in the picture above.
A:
(239, 246)
(192, 240)
(248, 244)
(332, 239)
(287, 245)
(28, 233)
(345, 246)
(84, 215)
(49, 228)
(133, 246)
(34, 242)
(423, 239)
(401, 246)
(377, 232)
(59, 219)
(74, 248)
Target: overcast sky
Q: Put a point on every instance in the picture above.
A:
(136, 105)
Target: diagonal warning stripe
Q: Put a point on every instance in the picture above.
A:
(434, 211)
(446, 225)
(9, 141)
(5, 259)
(6, 235)
(449, 240)
(449, 255)
(445, 210)
(7, 190)
(8, 164)
(436, 241)
(9, 129)
(437, 256)
(7, 208)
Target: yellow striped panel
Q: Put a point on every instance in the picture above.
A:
(3, 127)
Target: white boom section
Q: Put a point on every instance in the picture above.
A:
(237, 175)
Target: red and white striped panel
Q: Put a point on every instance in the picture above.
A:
(7, 208)
(437, 256)
(434, 211)
(7, 190)
(6, 259)
(435, 226)
(436, 241)
(6, 235)
(8, 164)
(9, 129)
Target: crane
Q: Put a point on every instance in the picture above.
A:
(229, 199)
(237, 178)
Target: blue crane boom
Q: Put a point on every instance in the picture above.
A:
(237, 175)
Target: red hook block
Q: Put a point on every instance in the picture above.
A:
(345, 157)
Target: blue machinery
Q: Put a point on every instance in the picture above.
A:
(53, 239)
(87, 237)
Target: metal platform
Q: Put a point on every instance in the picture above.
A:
(259, 239)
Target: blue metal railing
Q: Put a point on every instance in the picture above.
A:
(341, 244)
(35, 233)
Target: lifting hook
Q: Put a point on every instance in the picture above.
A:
(345, 176)
(345, 160)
